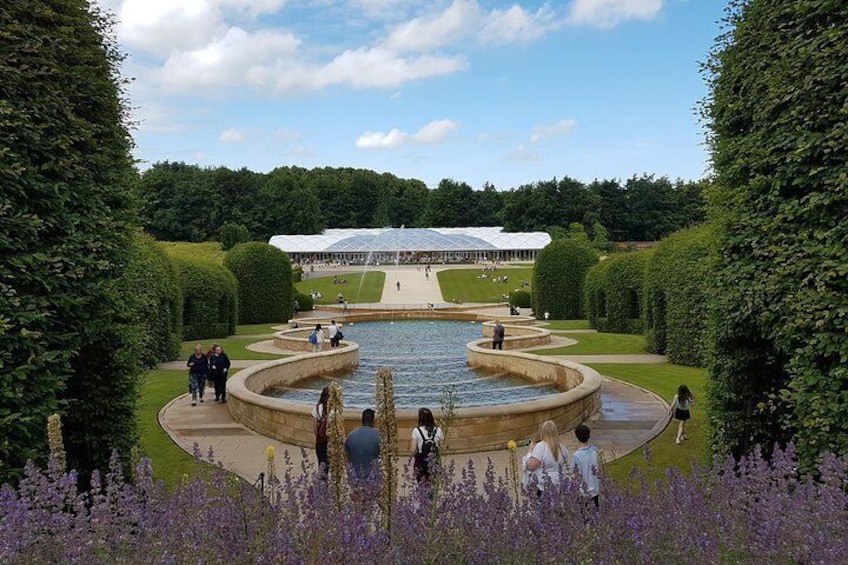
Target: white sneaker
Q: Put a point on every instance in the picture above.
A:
(193, 403)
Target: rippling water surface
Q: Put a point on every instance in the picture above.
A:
(426, 358)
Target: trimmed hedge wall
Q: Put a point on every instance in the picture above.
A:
(520, 299)
(676, 291)
(614, 290)
(558, 278)
(304, 301)
(155, 283)
(264, 277)
(210, 299)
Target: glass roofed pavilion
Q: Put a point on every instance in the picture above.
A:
(411, 245)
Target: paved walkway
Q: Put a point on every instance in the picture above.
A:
(629, 418)
(415, 288)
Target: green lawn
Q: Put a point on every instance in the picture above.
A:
(464, 285)
(555, 325)
(599, 344)
(234, 347)
(169, 461)
(257, 329)
(664, 453)
(355, 290)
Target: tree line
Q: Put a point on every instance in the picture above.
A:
(182, 202)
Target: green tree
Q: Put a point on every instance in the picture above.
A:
(232, 234)
(264, 278)
(449, 205)
(66, 221)
(777, 119)
(558, 278)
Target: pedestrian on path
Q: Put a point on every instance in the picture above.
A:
(320, 415)
(219, 367)
(198, 370)
(424, 446)
(333, 330)
(398, 286)
(362, 445)
(317, 339)
(680, 408)
(498, 335)
(546, 459)
(586, 465)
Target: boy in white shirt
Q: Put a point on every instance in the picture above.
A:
(586, 464)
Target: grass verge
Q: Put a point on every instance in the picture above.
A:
(465, 285)
(360, 287)
(257, 329)
(234, 347)
(599, 344)
(169, 462)
(663, 380)
(555, 325)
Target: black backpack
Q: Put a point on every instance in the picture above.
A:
(429, 450)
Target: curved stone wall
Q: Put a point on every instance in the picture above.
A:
(476, 429)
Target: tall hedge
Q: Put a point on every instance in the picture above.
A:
(66, 219)
(210, 299)
(264, 277)
(777, 116)
(614, 293)
(558, 278)
(677, 295)
(156, 284)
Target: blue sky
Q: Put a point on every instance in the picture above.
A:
(478, 91)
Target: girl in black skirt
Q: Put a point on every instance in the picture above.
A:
(681, 404)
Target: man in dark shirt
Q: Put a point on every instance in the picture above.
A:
(362, 445)
(498, 335)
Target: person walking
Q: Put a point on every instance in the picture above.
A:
(317, 338)
(398, 286)
(680, 408)
(546, 459)
(219, 367)
(333, 331)
(424, 445)
(362, 445)
(198, 370)
(586, 464)
(498, 335)
(320, 415)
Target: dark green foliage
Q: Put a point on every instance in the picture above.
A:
(155, 283)
(264, 278)
(558, 278)
(210, 299)
(188, 203)
(233, 234)
(614, 293)
(777, 115)
(297, 274)
(520, 299)
(677, 294)
(304, 302)
(66, 219)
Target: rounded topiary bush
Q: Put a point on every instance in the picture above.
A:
(676, 295)
(297, 274)
(210, 299)
(614, 290)
(520, 299)
(304, 302)
(558, 278)
(264, 277)
(155, 284)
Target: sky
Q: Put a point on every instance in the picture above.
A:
(479, 91)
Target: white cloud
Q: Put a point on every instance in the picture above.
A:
(523, 153)
(609, 13)
(231, 135)
(517, 24)
(286, 135)
(379, 140)
(432, 132)
(560, 128)
(435, 131)
(430, 32)
(302, 152)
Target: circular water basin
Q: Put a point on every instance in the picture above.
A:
(427, 358)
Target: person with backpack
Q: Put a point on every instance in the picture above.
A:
(320, 414)
(424, 445)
